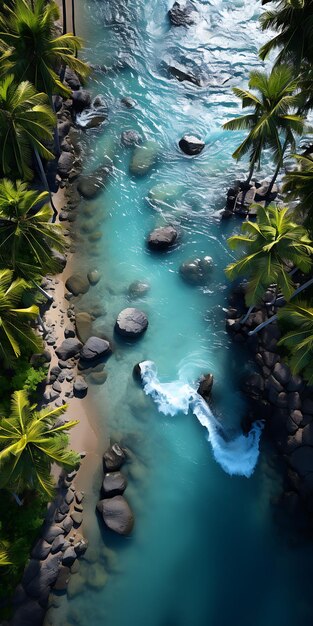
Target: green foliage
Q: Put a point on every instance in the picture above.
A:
(293, 21)
(297, 320)
(267, 246)
(28, 378)
(26, 123)
(272, 117)
(27, 235)
(33, 50)
(30, 441)
(298, 184)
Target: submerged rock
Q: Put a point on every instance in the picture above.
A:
(94, 115)
(162, 238)
(83, 323)
(182, 14)
(138, 288)
(117, 514)
(131, 138)
(165, 193)
(144, 158)
(76, 284)
(131, 322)
(191, 145)
(128, 102)
(91, 185)
(113, 458)
(197, 271)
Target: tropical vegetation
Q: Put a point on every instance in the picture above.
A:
(297, 323)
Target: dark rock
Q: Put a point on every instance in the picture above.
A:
(97, 378)
(71, 79)
(307, 434)
(30, 613)
(162, 238)
(81, 546)
(129, 103)
(39, 576)
(80, 387)
(65, 163)
(295, 383)
(182, 14)
(57, 544)
(113, 458)
(197, 271)
(77, 518)
(307, 406)
(81, 100)
(114, 484)
(137, 373)
(91, 118)
(301, 460)
(77, 284)
(59, 258)
(51, 532)
(67, 524)
(56, 386)
(63, 129)
(272, 383)
(41, 550)
(69, 332)
(83, 324)
(19, 596)
(79, 496)
(69, 498)
(95, 348)
(282, 373)
(68, 348)
(117, 514)
(254, 386)
(131, 323)
(69, 557)
(191, 145)
(131, 138)
(137, 289)
(294, 401)
(269, 358)
(205, 387)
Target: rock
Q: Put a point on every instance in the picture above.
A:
(162, 238)
(63, 129)
(69, 333)
(81, 100)
(77, 518)
(97, 576)
(269, 358)
(191, 145)
(205, 387)
(90, 186)
(114, 484)
(71, 79)
(59, 258)
(57, 544)
(91, 118)
(98, 378)
(65, 163)
(83, 324)
(51, 532)
(41, 550)
(137, 373)
(253, 386)
(131, 323)
(129, 103)
(182, 14)
(117, 514)
(307, 434)
(81, 546)
(69, 557)
(76, 586)
(301, 460)
(80, 387)
(95, 348)
(77, 284)
(113, 458)
(197, 271)
(69, 348)
(131, 138)
(137, 289)
(307, 406)
(39, 576)
(282, 373)
(67, 524)
(165, 194)
(30, 613)
(94, 276)
(144, 157)
(62, 579)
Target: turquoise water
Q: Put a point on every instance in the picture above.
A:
(206, 548)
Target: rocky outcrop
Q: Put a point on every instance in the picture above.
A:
(131, 323)
(191, 145)
(162, 238)
(113, 458)
(182, 14)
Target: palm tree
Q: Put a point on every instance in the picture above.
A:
(26, 122)
(27, 236)
(298, 184)
(4, 555)
(14, 319)
(33, 50)
(268, 245)
(293, 21)
(30, 442)
(272, 123)
(298, 341)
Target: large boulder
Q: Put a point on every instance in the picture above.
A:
(95, 348)
(114, 484)
(130, 138)
(182, 14)
(191, 145)
(71, 79)
(81, 100)
(91, 185)
(113, 458)
(197, 271)
(162, 238)
(83, 324)
(65, 163)
(77, 284)
(117, 514)
(205, 387)
(131, 322)
(144, 157)
(69, 347)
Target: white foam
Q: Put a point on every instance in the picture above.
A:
(238, 455)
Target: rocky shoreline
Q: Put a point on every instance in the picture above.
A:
(277, 396)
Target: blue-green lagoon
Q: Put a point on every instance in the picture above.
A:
(206, 548)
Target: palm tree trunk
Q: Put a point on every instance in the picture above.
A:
(73, 18)
(42, 291)
(42, 324)
(45, 182)
(271, 319)
(64, 16)
(279, 165)
(250, 309)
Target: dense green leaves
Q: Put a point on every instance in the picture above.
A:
(293, 21)
(266, 248)
(30, 441)
(26, 123)
(297, 320)
(298, 184)
(32, 49)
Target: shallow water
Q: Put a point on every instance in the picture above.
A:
(206, 548)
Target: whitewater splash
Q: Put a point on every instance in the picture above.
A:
(236, 456)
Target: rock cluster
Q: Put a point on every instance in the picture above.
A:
(114, 508)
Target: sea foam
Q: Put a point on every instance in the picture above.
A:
(237, 455)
